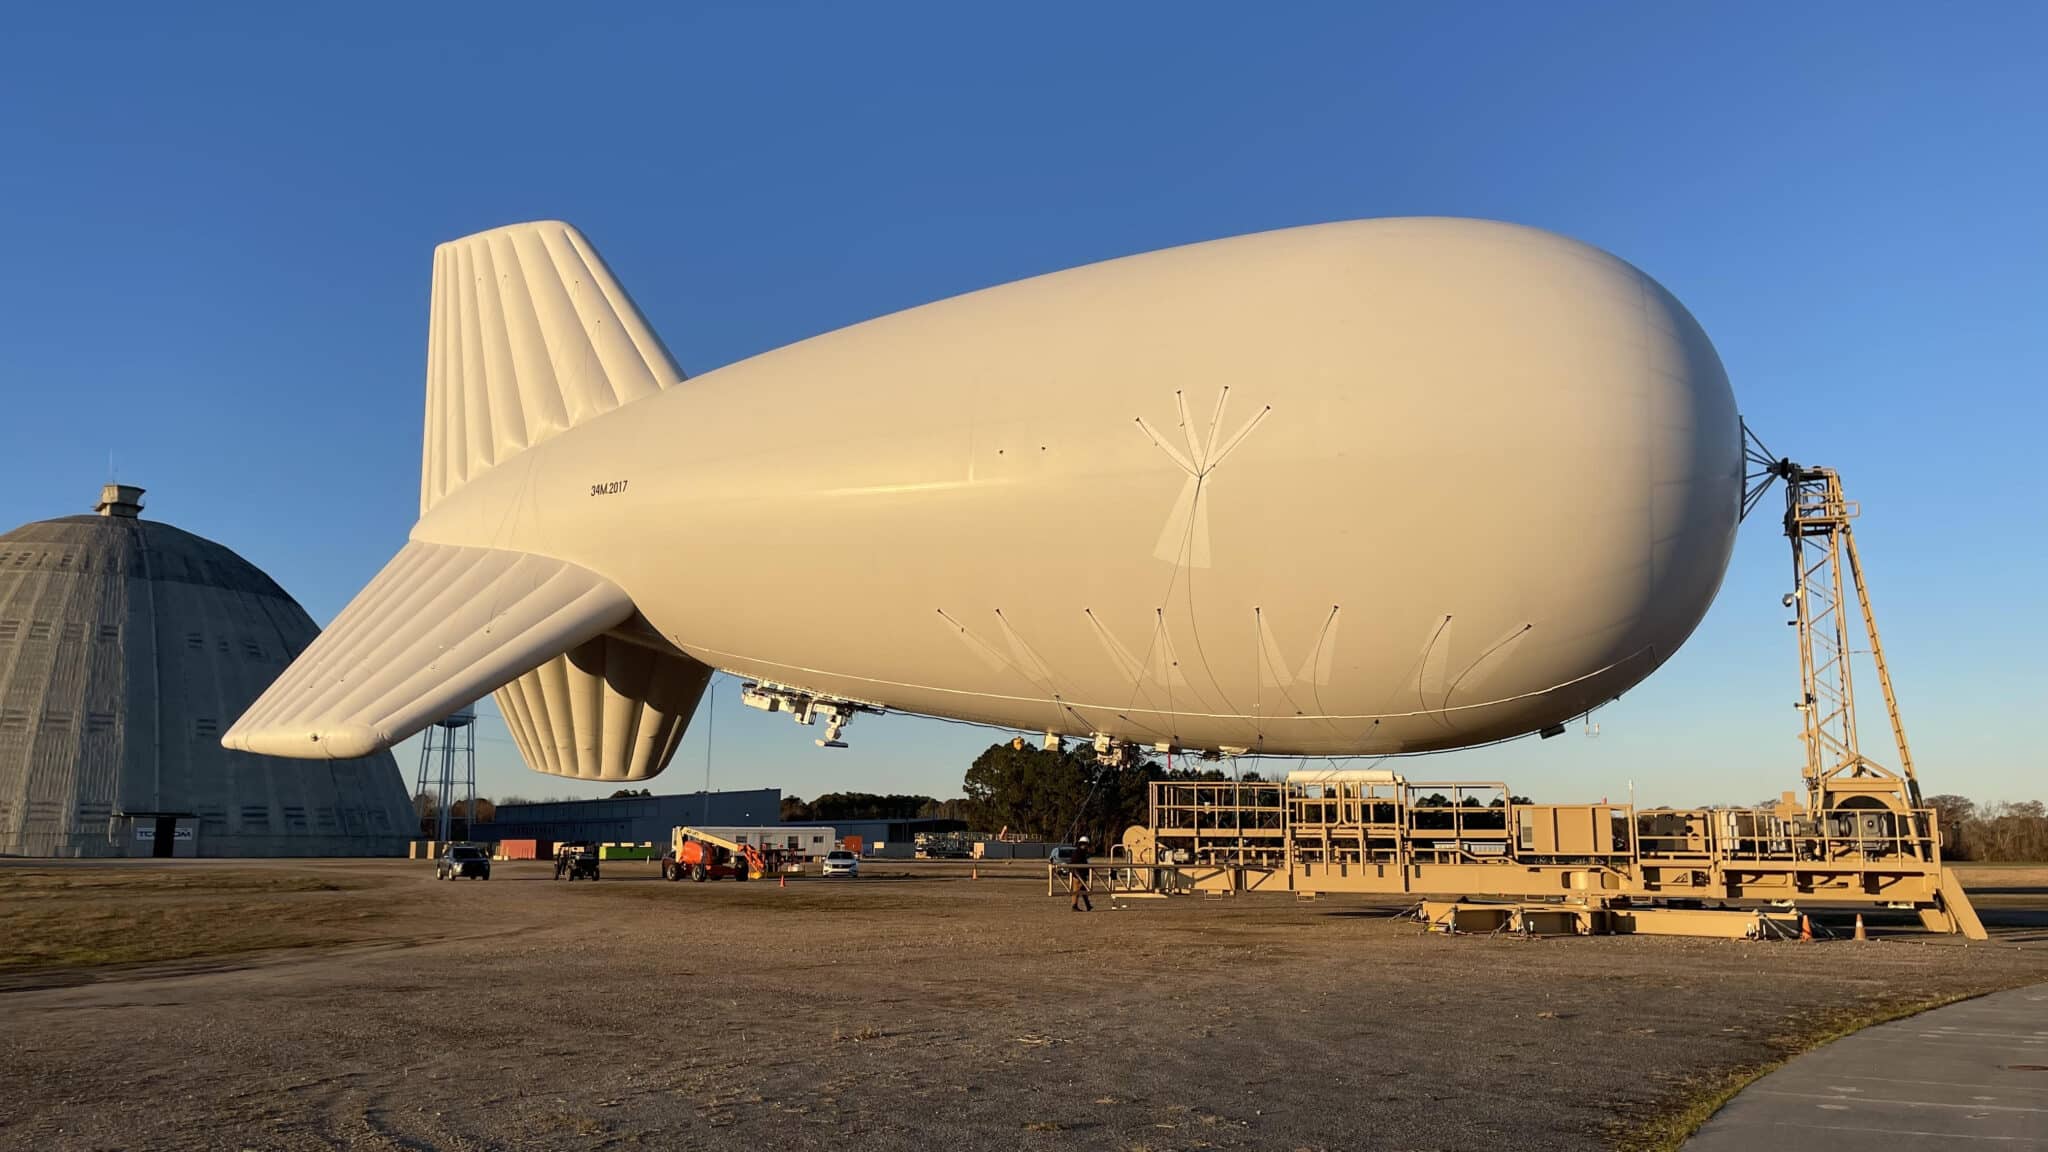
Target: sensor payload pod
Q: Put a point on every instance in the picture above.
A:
(1359, 488)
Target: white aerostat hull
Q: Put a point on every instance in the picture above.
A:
(1356, 488)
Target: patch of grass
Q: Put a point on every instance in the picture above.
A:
(81, 937)
(1702, 1098)
(87, 917)
(133, 881)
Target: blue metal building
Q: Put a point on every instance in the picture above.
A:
(629, 819)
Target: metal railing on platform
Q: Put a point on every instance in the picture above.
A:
(1119, 879)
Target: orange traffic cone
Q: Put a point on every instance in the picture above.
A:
(782, 881)
(1806, 928)
(974, 873)
(1859, 927)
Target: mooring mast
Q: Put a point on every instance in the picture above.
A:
(445, 742)
(1818, 524)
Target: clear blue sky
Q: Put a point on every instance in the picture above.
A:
(220, 225)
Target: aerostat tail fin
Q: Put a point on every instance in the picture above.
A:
(439, 627)
(607, 709)
(530, 335)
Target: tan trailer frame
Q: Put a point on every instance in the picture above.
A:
(1391, 837)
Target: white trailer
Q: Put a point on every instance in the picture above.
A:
(797, 841)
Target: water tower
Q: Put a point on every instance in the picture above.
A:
(447, 743)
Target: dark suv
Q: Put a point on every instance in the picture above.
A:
(463, 860)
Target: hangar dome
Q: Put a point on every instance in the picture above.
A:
(126, 647)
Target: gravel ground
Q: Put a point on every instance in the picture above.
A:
(922, 1010)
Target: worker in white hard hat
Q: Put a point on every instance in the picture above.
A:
(1077, 877)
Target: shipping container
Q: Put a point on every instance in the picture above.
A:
(526, 849)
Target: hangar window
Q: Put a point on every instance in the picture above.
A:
(110, 632)
(324, 817)
(93, 813)
(14, 720)
(39, 629)
(222, 646)
(213, 820)
(295, 818)
(74, 631)
(255, 816)
(99, 721)
(205, 726)
(194, 641)
(10, 630)
(252, 650)
(58, 720)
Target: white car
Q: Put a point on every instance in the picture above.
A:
(840, 862)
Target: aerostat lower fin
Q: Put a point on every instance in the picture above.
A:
(439, 627)
(607, 709)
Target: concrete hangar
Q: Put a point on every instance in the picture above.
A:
(126, 648)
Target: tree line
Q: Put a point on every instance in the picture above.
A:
(1062, 794)
(2006, 832)
(834, 807)
(427, 807)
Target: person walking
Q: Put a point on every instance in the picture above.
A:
(1077, 877)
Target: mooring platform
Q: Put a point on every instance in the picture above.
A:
(1573, 868)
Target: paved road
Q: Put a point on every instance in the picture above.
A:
(1971, 1075)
